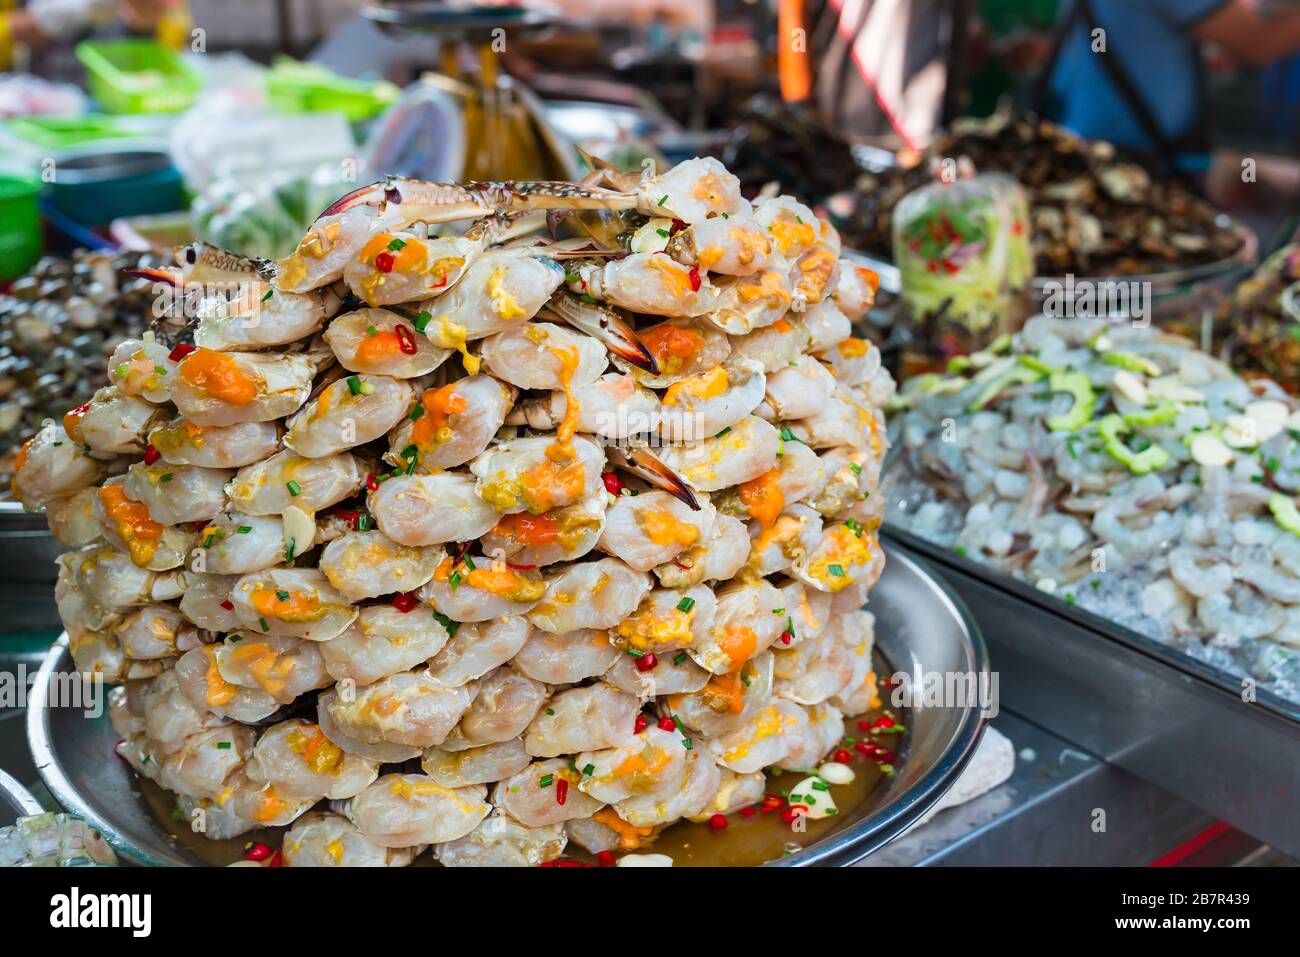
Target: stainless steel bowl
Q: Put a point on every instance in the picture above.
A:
(27, 589)
(920, 624)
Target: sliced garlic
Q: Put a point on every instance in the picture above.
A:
(648, 239)
(1268, 410)
(1046, 584)
(1208, 449)
(809, 793)
(299, 526)
(836, 773)
(1168, 387)
(1102, 342)
(1130, 387)
(645, 860)
(1246, 431)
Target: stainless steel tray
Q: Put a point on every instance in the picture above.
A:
(27, 551)
(1138, 704)
(920, 624)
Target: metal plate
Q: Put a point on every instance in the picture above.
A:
(920, 624)
(1141, 705)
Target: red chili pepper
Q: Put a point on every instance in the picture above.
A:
(640, 724)
(771, 802)
(257, 852)
(180, 352)
(81, 409)
(884, 755)
(718, 822)
(384, 262)
(793, 811)
(865, 748)
(864, 725)
(786, 637)
(647, 663)
(372, 481)
(667, 724)
(842, 756)
(951, 267)
(406, 340)
(151, 455)
(613, 484)
(564, 863)
(678, 224)
(748, 811)
(605, 858)
(228, 605)
(349, 517)
(561, 791)
(522, 568)
(405, 601)
(695, 279)
(680, 565)
(884, 721)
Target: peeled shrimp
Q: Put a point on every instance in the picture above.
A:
(380, 342)
(298, 602)
(324, 839)
(264, 488)
(701, 406)
(528, 795)
(718, 556)
(225, 388)
(476, 649)
(403, 810)
(562, 534)
(457, 423)
(383, 641)
(535, 475)
(583, 719)
(597, 594)
(181, 442)
(506, 703)
(745, 452)
(431, 509)
(567, 658)
(369, 564)
(411, 708)
(652, 528)
(481, 592)
(492, 762)
(501, 841)
(51, 465)
(348, 413)
(667, 619)
(297, 759)
(543, 355)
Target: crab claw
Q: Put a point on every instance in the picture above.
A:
(169, 276)
(376, 194)
(643, 463)
(606, 324)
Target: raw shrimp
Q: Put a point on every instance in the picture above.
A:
(51, 465)
(282, 667)
(383, 641)
(169, 716)
(206, 690)
(826, 326)
(735, 791)
(530, 795)
(667, 619)
(763, 740)
(651, 763)
(236, 544)
(583, 719)
(332, 242)
(225, 388)
(698, 785)
(298, 602)
(506, 703)
(856, 631)
(412, 708)
(671, 674)
(431, 509)
(808, 613)
(72, 518)
(745, 452)
(297, 759)
(855, 292)
(385, 752)
(846, 554)
(288, 479)
(562, 534)
(813, 737)
(774, 346)
(813, 671)
(476, 649)
(403, 810)
(717, 557)
(792, 226)
(200, 767)
(475, 589)
(155, 631)
(181, 442)
(543, 355)
(1199, 574)
(597, 594)
(347, 413)
(364, 565)
(566, 658)
(380, 342)
(492, 762)
(501, 841)
(177, 493)
(789, 537)
(703, 405)
(99, 655)
(652, 528)
(746, 623)
(456, 423)
(259, 316)
(325, 839)
(538, 474)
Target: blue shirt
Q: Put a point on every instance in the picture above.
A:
(1153, 43)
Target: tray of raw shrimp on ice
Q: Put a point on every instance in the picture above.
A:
(505, 523)
(1118, 509)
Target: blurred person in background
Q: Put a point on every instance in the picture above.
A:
(1145, 91)
(38, 25)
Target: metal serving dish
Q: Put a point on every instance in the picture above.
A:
(27, 588)
(1141, 705)
(919, 624)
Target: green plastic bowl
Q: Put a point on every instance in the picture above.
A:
(20, 225)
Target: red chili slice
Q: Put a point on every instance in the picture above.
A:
(405, 601)
(228, 605)
(257, 852)
(151, 455)
(640, 724)
(384, 262)
(561, 791)
(372, 481)
(180, 352)
(647, 663)
(695, 279)
(406, 340)
(613, 484)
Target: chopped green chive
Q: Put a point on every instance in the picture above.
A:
(166, 477)
(223, 745)
(686, 604)
(282, 595)
(454, 581)
(290, 550)
(857, 469)
(294, 488)
(662, 232)
(446, 623)
(547, 780)
(396, 245)
(636, 654)
(723, 432)
(421, 321)
(371, 331)
(589, 770)
(679, 657)
(363, 522)
(663, 199)
(265, 626)
(244, 529)
(268, 295)
(836, 570)
(410, 452)
(416, 413)
(354, 384)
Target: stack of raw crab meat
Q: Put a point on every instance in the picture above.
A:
(492, 541)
